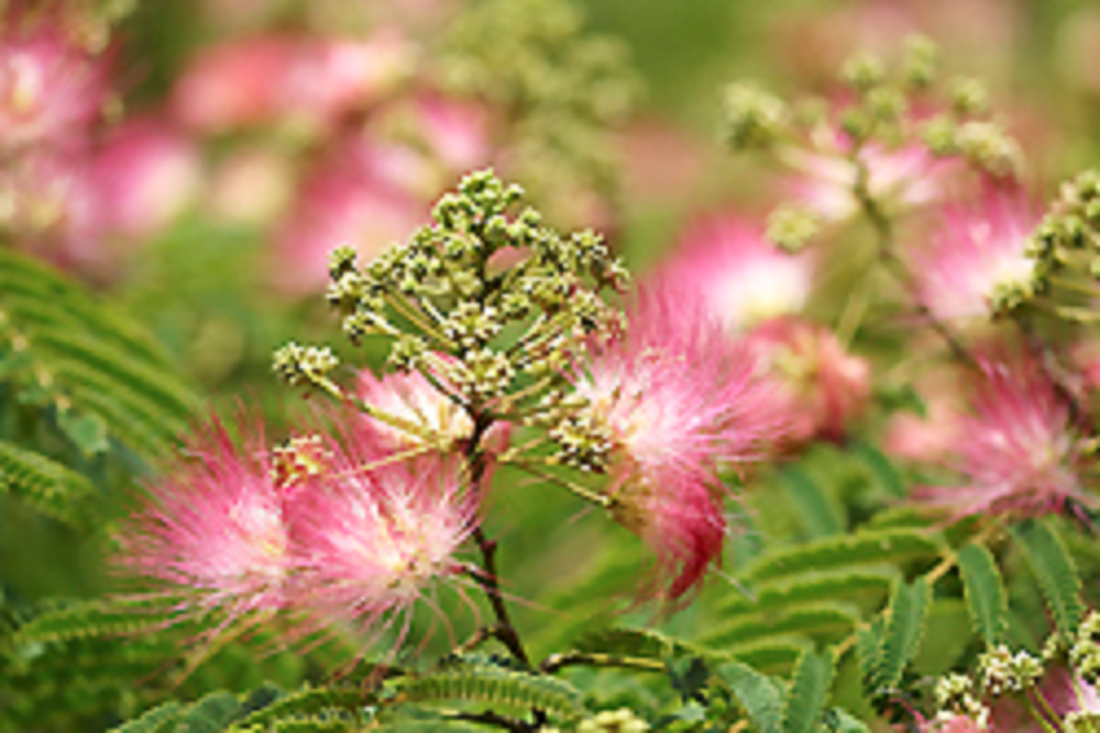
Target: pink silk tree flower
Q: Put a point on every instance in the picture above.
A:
(1022, 454)
(287, 78)
(411, 398)
(677, 400)
(51, 90)
(978, 255)
(743, 278)
(146, 173)
(819, 387)
(901, 179)
(1064, 694)
(374, 536)
(340, 203)
(211, 533)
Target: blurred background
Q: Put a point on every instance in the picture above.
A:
(214, 151)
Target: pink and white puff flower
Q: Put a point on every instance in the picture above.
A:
(901, 178)
(375, 536)
(340, 203)
(146, 174)
(212, 532)
(978, 250)
(1022, 454)
(51, 90)
(678, 400)
(819, 387)
(742, 278)
(412, 399)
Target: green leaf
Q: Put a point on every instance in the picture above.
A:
(861, 548)
(882, 468)
(494, 686)
(904, 628)
(311, 702)
(812, 677)
(818, 515)
(47, 486)
(869, 643)
(841, 721)
(88, 432)
(759, 695)
(161, 718)
(985, 593)
(1055, 573)
(64, 349)
(211, 714)
(868, 583)
(827, 620)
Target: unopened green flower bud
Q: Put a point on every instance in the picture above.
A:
(792, 227)
(921, 60)
(863, 72)
(968, 96)
(989, 147)
(939, 135)
(298, 365)
(754, 118)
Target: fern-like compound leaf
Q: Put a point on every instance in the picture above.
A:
(985, 593)
(1055, 573)
(861, 548)
(489, 685)
(759, 695)
(813, 675)
(908, 611)
(45, 485)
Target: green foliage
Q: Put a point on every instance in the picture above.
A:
(816, 512)
(891, 641)
(48, 486)
(860, 548)
(806, 701)
(1054, 571)
(761, 697)
(493, 686)
(985, 593)
(904, 628)
(826, 619)
(102, 377)
(310, 704)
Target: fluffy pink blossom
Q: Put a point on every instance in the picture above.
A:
(411, 398)
(211, 532)
(145, 174)
(287, 78)
(742, 278)
(48, 201)
(342, 202)
(819, 387)
(903, 178)
(678, 399)
(374, 536)
(978, 250)
(1021, 453)
(50, 89)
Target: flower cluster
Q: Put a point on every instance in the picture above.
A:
(1019, 692)
(318, 529)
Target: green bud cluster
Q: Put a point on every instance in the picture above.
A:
(1003, 672)
(955, 695)
(791, 227)
(1067, 243)
(1084, 655)
(304, 365)
(485, 299)
(564, 91)
(754, 119)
